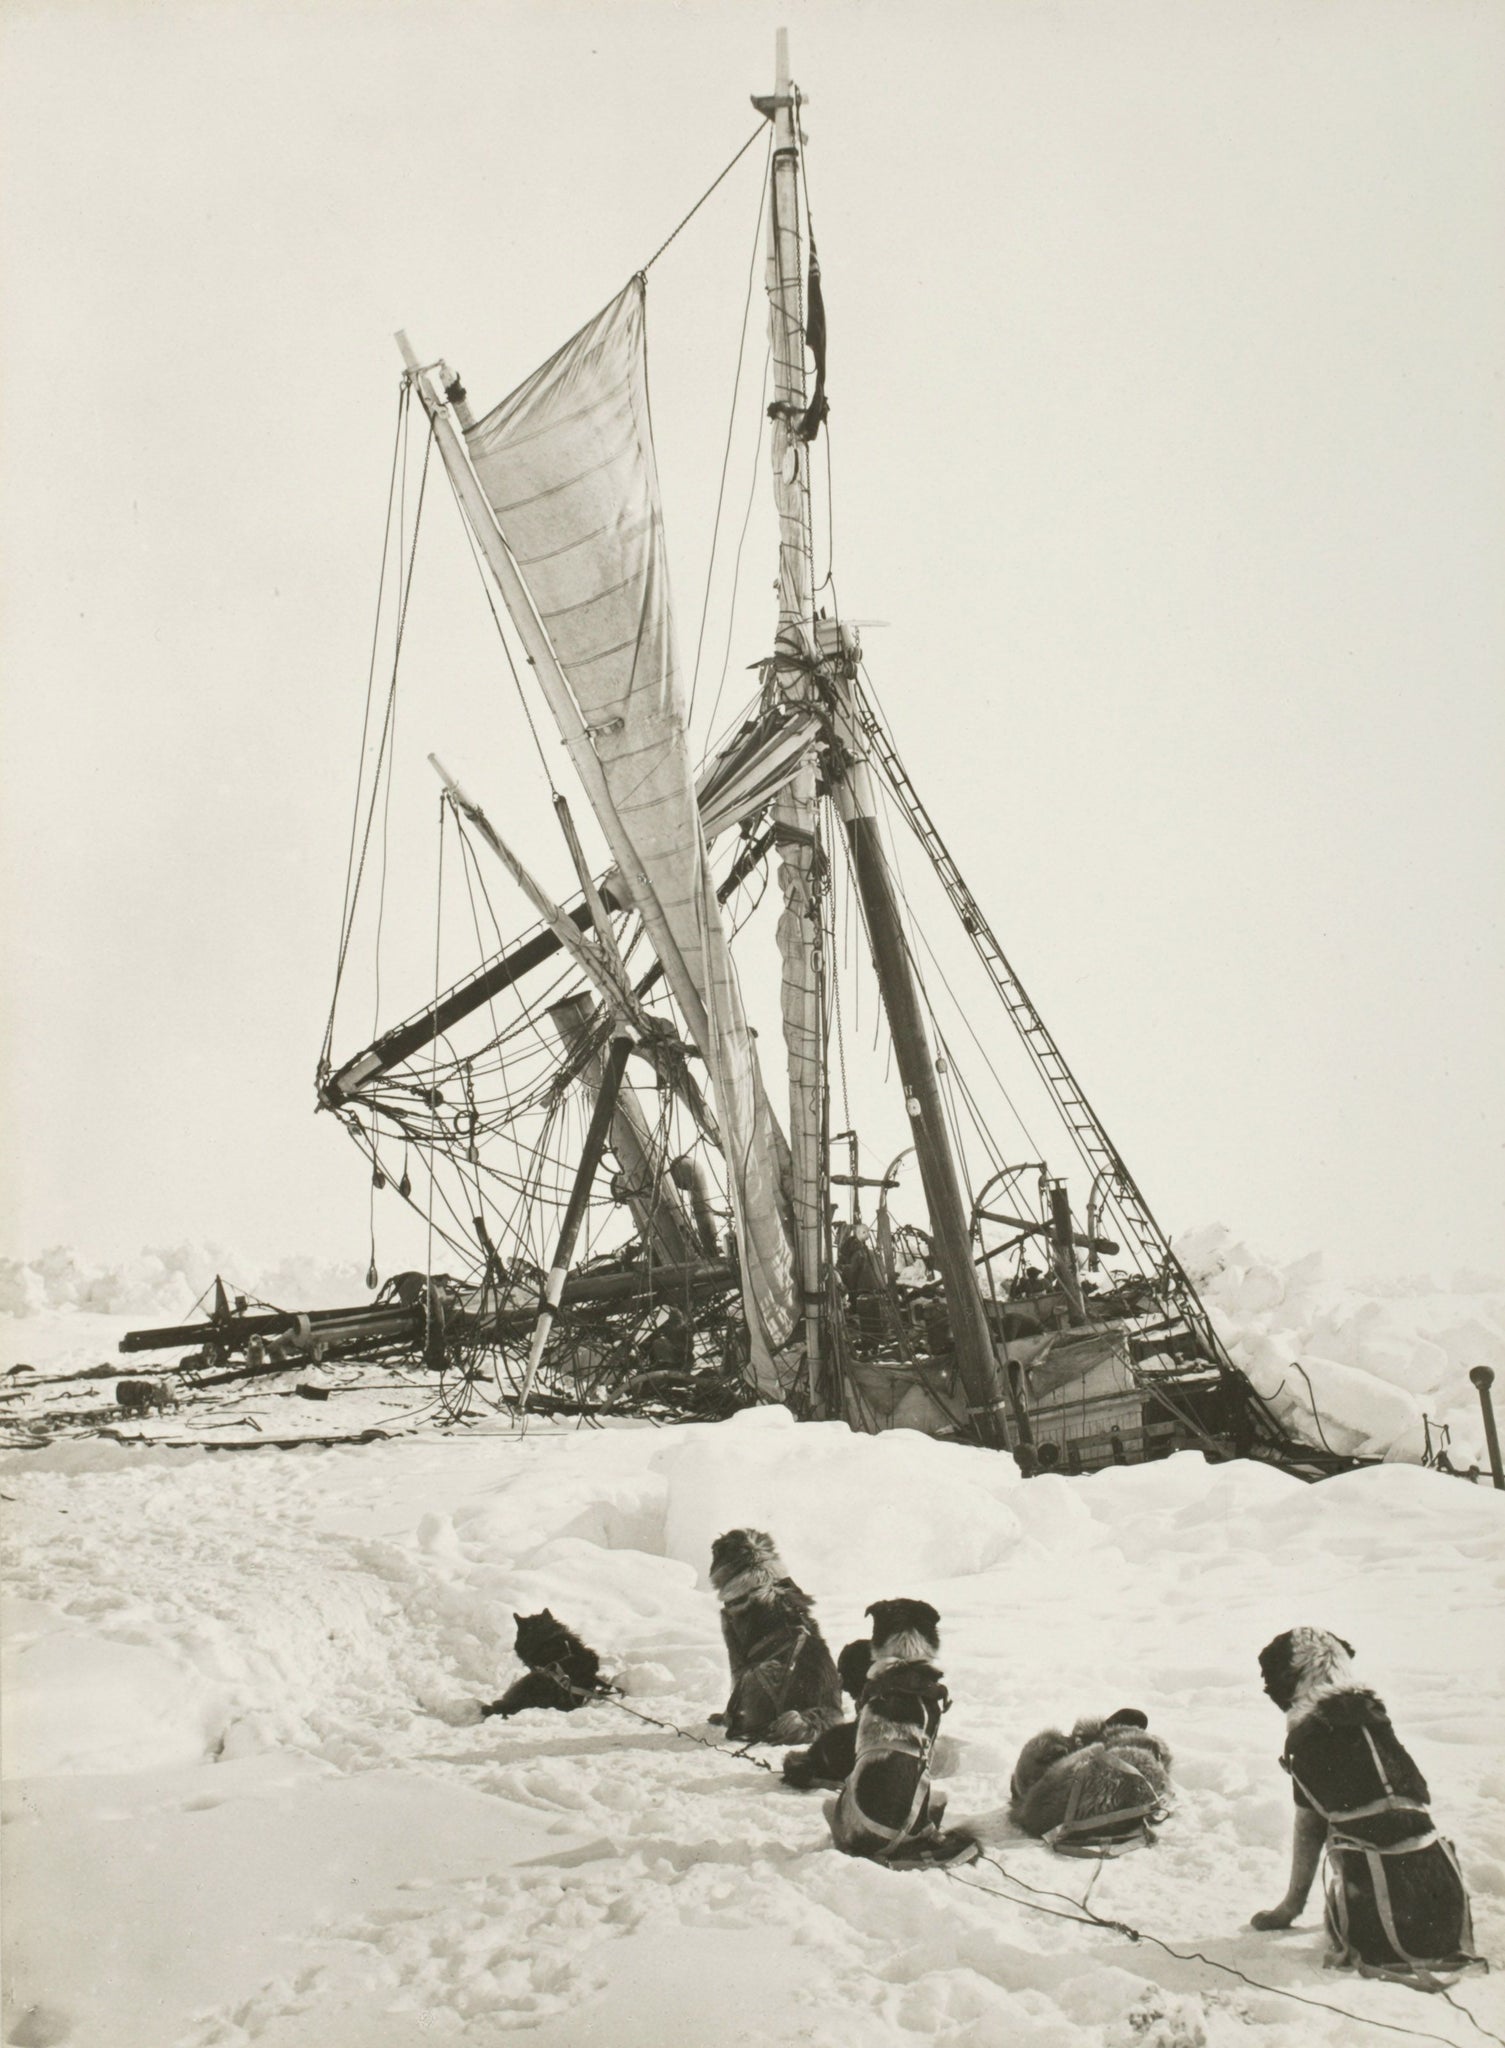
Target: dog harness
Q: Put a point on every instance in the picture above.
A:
(900, 1740)
(891, 1839)
(1376, 1859)
(1112, 1833)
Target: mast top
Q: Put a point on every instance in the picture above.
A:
(770, 104)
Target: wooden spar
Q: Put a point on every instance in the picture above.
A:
(652, 1193)
(593, 960)
(403, 1040)
(1105, 1246)
(574, 1214)
(604, 932)
(796, 810)
(943, 1192)
(1062, 1257)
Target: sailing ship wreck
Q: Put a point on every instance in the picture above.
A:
(625, 1211)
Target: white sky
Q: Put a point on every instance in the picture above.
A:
(1166, 376)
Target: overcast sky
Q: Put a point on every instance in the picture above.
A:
(1167, 437)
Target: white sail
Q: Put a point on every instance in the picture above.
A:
(566, 464)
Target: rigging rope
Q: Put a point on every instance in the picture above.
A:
(663, 245)
(731, 619)
(726, 454)
(382, 744)
(404, 395)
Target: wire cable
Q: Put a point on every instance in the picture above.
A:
(726, 454)
(663, 245)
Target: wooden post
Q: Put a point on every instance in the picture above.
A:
(1062, 1256)
(574, 1214)
(1483, 1378)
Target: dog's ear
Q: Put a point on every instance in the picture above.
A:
(932, 1619)
(1348, 1647)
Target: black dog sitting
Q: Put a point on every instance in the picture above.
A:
(562, 1673)
(1396, 1902)
(827, 1764)
(784, 1685)
(886, 1809)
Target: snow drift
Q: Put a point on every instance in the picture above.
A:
(311, 1838)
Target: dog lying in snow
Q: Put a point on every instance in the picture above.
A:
(827, 1763)
(1095, 1790)
(1396, 1903)
(562, 1672)
(784, 1685)
(886, 1808)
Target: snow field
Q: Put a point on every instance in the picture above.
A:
(242, 1698)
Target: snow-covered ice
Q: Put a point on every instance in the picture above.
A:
(249, 1798)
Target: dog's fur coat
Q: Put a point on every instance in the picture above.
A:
(784, 1685)
(827, 1763)
(1396, 1903)
(1100, 1771)
(562, 1672)
(886, 1808)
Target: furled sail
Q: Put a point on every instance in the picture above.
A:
(567, 466)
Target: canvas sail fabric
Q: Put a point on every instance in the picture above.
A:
(753, 766)
(567, 465)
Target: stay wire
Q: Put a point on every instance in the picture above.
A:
(403, 396)
(731, 620)
(386, 723)
(742, 152)
(726, 454)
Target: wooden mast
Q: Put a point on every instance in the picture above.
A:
(797, 659)
(796, 815)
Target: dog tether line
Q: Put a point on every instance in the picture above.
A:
(1083, 1915)
(608, 1696)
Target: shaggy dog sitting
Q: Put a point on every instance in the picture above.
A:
(562, 1672)
(827, 1763)
(784, 1685)
(1396, 1901)
(1094, 1791)
(886, 1809)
